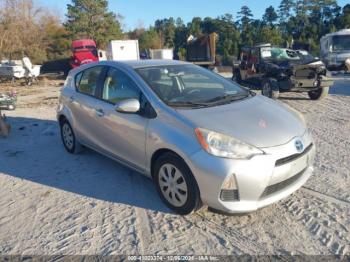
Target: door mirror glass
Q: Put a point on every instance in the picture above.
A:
(129, 106)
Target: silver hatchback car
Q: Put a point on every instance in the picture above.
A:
(201, 138)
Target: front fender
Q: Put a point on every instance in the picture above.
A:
(170, 135)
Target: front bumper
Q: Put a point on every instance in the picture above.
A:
(260, 180)
(304, 84)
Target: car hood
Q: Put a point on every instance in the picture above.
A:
(258, 121)
(297, 64)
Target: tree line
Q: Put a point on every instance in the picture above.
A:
(40, 34)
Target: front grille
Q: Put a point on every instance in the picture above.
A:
(229, 195)
(279, 186)
(292, 158)
(305, 73)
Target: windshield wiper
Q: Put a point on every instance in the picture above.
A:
(227, 97)
(187, 104)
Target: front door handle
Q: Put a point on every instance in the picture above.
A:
(71, 99)
(99, 112)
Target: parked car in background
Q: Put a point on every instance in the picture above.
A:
(83, 52)
(335, 49)
(202, 138)
(275, 70)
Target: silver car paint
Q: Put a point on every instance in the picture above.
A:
(258, 121)
(133, 140)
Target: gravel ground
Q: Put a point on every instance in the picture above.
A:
(55, 203)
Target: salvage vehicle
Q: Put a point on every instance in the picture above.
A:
(84, 51)
(8, 101)
(335, 50)
(202, 138)
(13, 70)
(275, 70)
(202, 50)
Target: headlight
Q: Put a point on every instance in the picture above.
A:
(225, 146)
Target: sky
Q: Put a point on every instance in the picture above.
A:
(145, 12)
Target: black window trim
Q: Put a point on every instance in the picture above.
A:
(96, 93)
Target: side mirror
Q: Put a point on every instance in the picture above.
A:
(129, 106)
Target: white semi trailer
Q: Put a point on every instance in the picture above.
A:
(122, 50)
(335, 50)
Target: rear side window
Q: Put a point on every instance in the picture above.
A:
(87, 82)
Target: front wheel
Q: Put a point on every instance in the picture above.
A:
(176, 185)
(237, 76)
(319, 94)
(269, 88)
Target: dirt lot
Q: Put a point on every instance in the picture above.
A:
(55, 203)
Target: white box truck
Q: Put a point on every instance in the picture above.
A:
(122, 50)
(167, 54)
(335, 50)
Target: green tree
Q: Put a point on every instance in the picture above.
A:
(180, 35)
(149, 39)
(245, 19)
(92, 19)
(285, 10)
(195, 27)
(270, 16)
(166, 30)
(55, 38)
(345, 17)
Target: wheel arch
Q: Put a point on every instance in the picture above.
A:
(159, 153)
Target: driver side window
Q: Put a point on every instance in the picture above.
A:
(118, 87)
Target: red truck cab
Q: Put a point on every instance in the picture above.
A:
(84, 52)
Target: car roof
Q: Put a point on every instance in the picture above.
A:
(148, 63)
(133, 64)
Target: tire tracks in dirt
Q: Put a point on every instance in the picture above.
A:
(321, 195)
(320, 215)
(243, 244)
(142, 223)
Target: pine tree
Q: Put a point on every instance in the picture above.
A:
(270, 16)
(91, 19)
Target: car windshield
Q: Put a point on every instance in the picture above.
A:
(341, 43)
(276, 53)
(191, 86)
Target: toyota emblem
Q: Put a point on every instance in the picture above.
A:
(299, 145)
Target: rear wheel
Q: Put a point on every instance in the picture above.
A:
(176, 185)
(269, 88)
(68, 138)
(319, 94)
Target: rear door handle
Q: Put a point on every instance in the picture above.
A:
(99, 112)
(71, 99)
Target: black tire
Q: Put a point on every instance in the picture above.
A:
(237, 76)
(269, 88)
(193, 201)
(319, 94)
(73, 147)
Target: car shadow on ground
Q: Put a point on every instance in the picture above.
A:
(34, 152)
